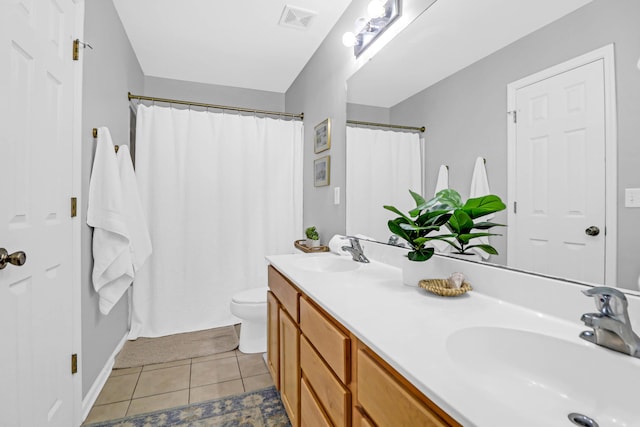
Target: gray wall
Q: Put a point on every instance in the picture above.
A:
(465, 114)
(320, 92)
(110, 70)
(368, 113)
(213, 94)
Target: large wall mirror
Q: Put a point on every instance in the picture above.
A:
(462, 68)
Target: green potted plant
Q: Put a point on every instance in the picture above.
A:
(415, 227)
(313, 238)
(462, 223)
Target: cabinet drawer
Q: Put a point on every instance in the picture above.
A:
(386, 401)
(332, 344)
(334, 397)
(285, 292)
(311, 414)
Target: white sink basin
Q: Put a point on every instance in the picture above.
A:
(560, 376)
(326, 264)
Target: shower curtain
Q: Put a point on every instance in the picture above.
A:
(382, 166)
(220, 191)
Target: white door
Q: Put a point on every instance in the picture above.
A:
(559, 219)
(36, 119)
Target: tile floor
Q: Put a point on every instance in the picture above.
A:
(154, 387)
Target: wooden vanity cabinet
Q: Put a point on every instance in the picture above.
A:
(283, 342)
(327, 378)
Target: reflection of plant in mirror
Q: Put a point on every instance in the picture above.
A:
(461, 223)
(414, 228)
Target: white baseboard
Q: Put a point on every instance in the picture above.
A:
(96, 388)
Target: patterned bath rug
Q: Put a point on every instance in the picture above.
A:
(261, 408)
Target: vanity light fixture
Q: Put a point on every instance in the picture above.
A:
(381, 13)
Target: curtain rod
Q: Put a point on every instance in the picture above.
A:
(356, 122)
(220, 107)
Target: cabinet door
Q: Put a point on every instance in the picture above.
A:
(311, 414)
(289, 366)
(386, 401)
(273, 339)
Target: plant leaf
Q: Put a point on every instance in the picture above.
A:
(460, 222)
(438, 217)
(396, 211)
(396, 229)
(420, 255)
(486, 225)
(410, 227)
(487, 248)
(481, 206)
(468, 236)
(417, 197)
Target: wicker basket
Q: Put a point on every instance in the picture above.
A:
(443, 288)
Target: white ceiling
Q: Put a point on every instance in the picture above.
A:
(234, 43)
(447, 37)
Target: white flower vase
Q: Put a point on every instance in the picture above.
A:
(414, 271)
(311, 243)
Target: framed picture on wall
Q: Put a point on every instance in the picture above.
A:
(321, 171)
(322, 136)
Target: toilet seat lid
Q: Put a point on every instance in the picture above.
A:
(251, 296)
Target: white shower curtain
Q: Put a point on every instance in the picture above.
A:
(220, 191)
(382, 166)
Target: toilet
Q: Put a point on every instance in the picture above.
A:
(251, 307)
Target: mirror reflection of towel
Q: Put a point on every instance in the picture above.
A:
(442, 183)
(479, 188)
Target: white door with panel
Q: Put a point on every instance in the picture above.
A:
(36, 122)
(559, 208)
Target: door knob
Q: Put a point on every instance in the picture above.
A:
(16, 258)
(592, 231)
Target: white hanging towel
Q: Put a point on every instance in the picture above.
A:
(112, 264)
(442, 183)
(479, 188)
(139, 239)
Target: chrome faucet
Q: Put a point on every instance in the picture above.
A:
(355, 250)
(611, 325)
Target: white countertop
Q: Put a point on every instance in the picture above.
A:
(423, 337)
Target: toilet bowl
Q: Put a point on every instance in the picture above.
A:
(251, 307)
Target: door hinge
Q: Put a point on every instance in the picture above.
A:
(74, 363)
(74, 206)
(514, 115)
(515, 207)
(76, 49)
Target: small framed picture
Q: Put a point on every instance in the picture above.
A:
(321, 171)
(322, 136)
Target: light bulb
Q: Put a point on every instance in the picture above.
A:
(376, 8)
(349, 39)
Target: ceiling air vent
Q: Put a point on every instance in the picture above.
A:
(296, 17)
